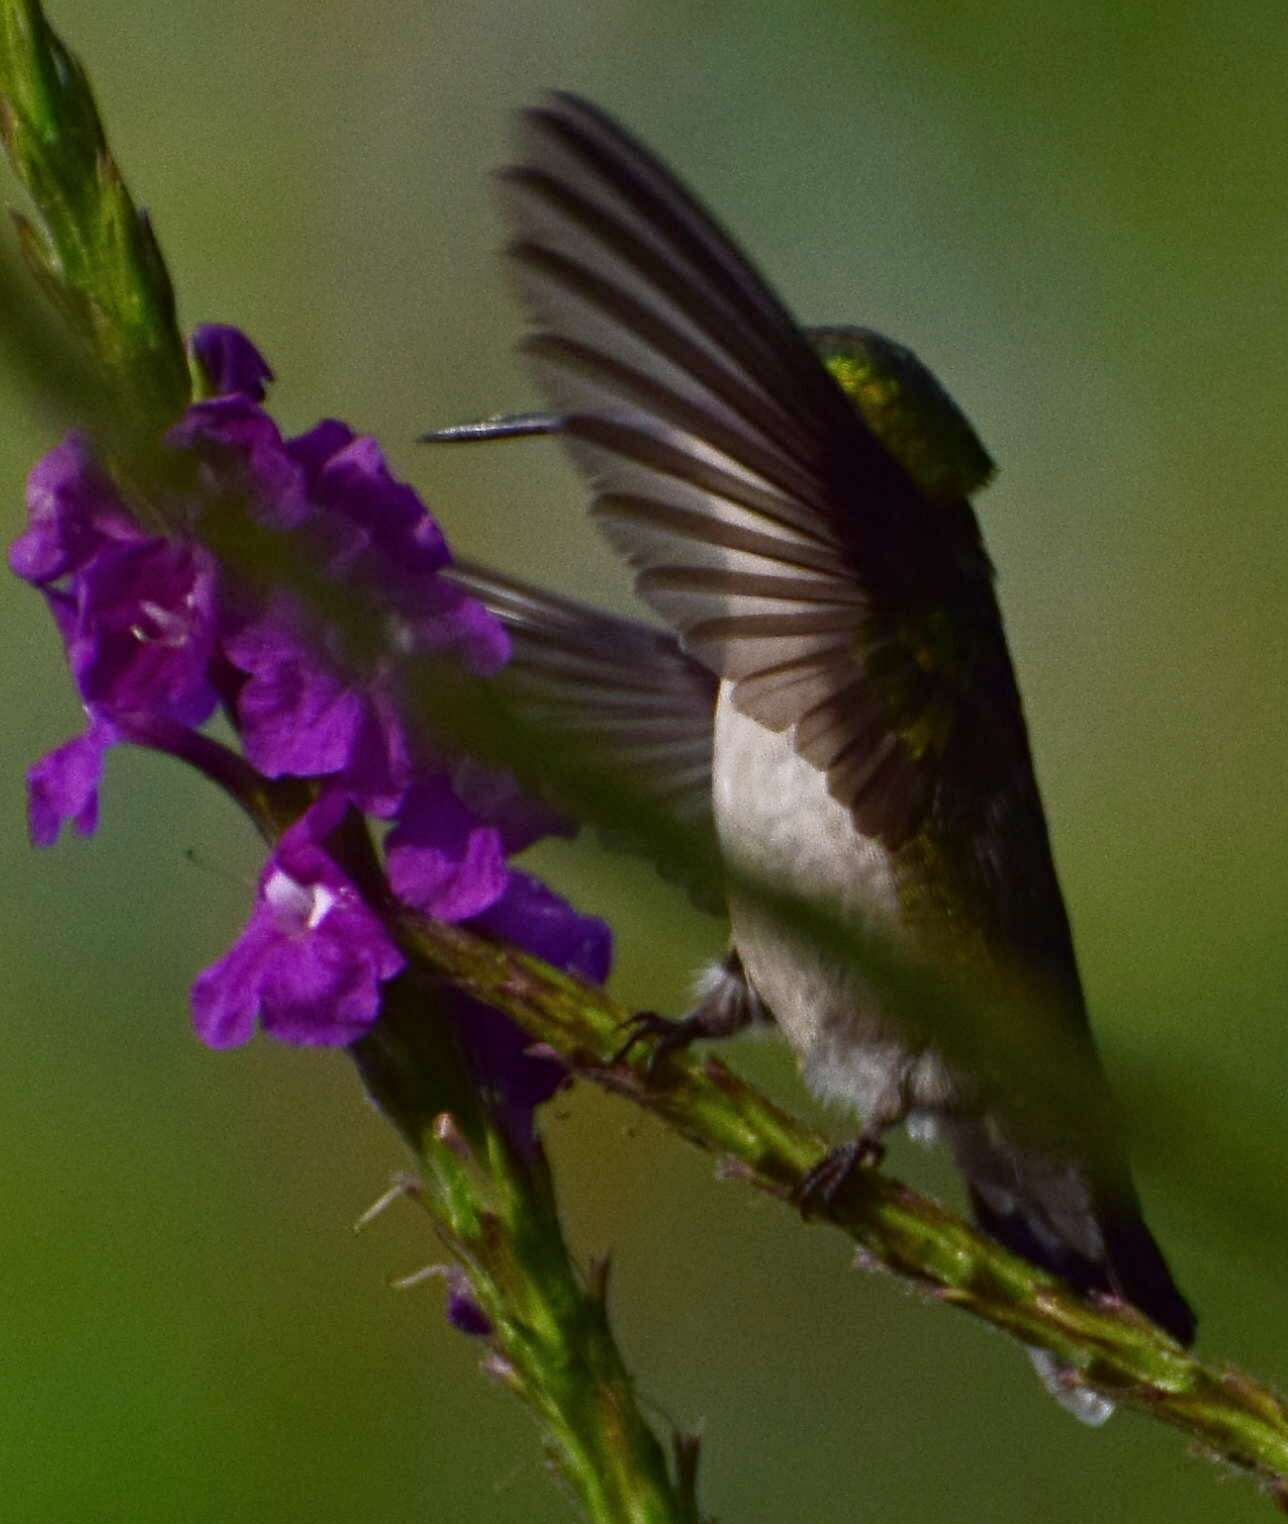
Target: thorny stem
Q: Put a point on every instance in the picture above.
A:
(493, 1205)
(1108, 1345)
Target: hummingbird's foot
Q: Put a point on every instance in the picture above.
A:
(825, 1181)
(726, 1006)
(666, 1035)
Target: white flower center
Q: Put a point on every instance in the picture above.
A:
(167, 627)
(305, 905)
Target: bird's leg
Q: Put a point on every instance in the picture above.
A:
(824, 1182)
(728, 1005)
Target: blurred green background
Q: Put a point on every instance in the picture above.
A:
(1077, 217)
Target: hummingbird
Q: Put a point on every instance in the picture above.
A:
(832, 692)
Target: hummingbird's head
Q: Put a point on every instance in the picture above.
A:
(907, 409)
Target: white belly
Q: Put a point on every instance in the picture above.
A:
(777, 821)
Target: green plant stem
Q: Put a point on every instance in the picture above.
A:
(92, 250)
(492, 1202)
(1108, 1346)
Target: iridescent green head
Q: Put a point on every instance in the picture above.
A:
(907, 409)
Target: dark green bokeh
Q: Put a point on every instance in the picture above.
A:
(1077, 219)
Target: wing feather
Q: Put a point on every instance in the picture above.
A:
(766, 522)
(626, 693)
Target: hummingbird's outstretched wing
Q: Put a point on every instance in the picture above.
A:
(627, 694)
(768, 524)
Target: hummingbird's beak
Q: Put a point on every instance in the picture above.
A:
(502, 426)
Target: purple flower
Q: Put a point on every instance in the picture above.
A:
(143, 635)
(495, 794)
(310, 707)
(346, 476)
(444, 860)
(309, 965)
(230, 362)
(463, 1310)
(73, 510)
(137, 613)
(302, 715)
(245, 460)
(379, 535)
(539, 921)
(137, 617)
(543, 923)
(447, 860)
(63, 785)
(157, 635)
(517, 1079)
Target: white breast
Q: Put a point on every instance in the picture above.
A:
(778, 822)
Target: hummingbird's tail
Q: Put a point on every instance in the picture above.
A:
(1053, 1216)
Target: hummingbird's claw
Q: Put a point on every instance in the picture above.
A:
(668, 1036)
(824, 1182)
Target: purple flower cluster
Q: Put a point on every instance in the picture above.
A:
(158, 637)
